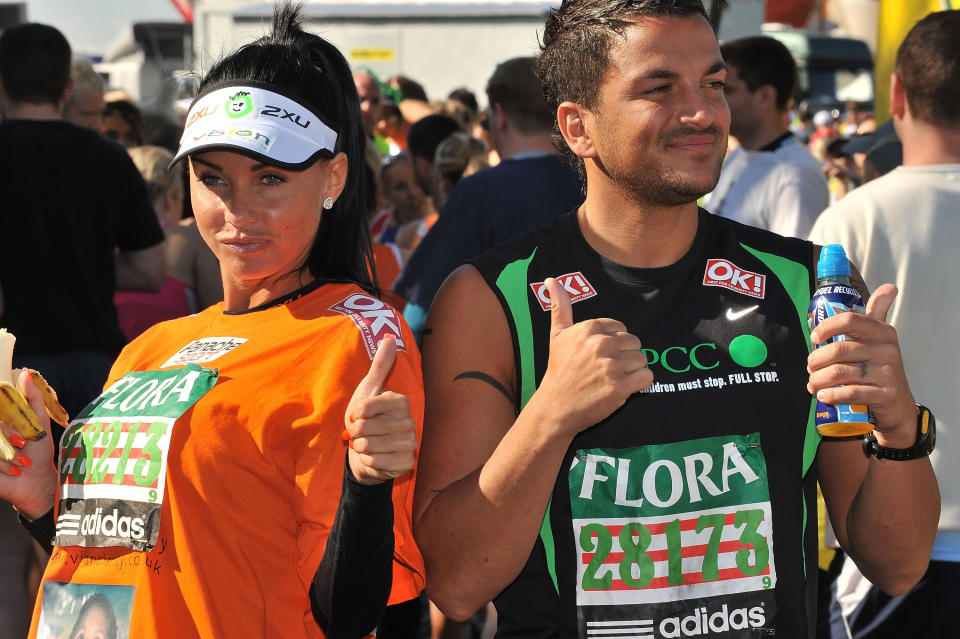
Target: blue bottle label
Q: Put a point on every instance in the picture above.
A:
(830, 300)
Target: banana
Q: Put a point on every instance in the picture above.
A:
(14, 408)
(7, 452)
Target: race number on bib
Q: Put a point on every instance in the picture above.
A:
(113, 458)
(673, 537)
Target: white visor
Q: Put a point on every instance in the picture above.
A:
(259, 122)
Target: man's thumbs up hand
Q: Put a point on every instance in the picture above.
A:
(593, 367)
(561, 310)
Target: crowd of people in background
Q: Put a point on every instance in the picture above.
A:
(420, 148)
(452, 176)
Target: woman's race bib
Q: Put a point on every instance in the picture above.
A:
(113, 458)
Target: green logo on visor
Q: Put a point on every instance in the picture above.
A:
(239, 105)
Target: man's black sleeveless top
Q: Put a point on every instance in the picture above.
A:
(691, 511)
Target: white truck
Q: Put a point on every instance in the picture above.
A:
(145, 62)
(443, 44)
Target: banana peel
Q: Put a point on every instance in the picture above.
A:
(7, 452)
(14, 408)
(15, 411)
(50, 400)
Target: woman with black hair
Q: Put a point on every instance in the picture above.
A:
(248, 470)
(122, 122)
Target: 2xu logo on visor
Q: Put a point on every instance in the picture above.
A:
(375, 319)
(575, 284)
(726, 274)
(259, 120)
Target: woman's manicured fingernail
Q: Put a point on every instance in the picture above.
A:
(15, 471)
(24, 461)
(17, 440)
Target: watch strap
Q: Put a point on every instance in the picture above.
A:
(926, 440)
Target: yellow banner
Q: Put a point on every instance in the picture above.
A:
(897, 17)
(372, 54)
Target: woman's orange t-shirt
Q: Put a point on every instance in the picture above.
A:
(249, 477)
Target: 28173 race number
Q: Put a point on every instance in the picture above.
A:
(101, 452)
(636, 563)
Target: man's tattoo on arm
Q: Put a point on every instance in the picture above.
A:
(489, 379)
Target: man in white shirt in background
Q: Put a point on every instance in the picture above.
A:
(771, 180)
(904, 228)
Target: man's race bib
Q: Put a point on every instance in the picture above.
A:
(674, 540)
(113, 458)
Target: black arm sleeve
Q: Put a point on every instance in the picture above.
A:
(42, 529)
(352, 585)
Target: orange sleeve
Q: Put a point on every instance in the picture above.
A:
(408, 570)
(387, 265)
(319, 464)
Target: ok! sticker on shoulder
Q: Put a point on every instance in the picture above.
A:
(575, 284)
(375, 319)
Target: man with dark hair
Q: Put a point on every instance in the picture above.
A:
(903, 227)
(509, 90)
(409, 88)
(771, 180)
(71, 198)
(531, 186)
(409, 97)
(423, 138)
(594, 485)
(93, 223)
(465, 97)
(35, 64)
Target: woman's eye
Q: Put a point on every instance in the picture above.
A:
(210, 179)
(272, 179)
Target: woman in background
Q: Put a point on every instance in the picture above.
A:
(193, 273)
(122, 122)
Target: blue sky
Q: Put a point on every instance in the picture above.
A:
(91, 26)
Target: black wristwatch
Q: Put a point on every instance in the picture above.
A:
(926, 439)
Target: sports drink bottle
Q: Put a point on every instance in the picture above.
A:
(835, 295)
